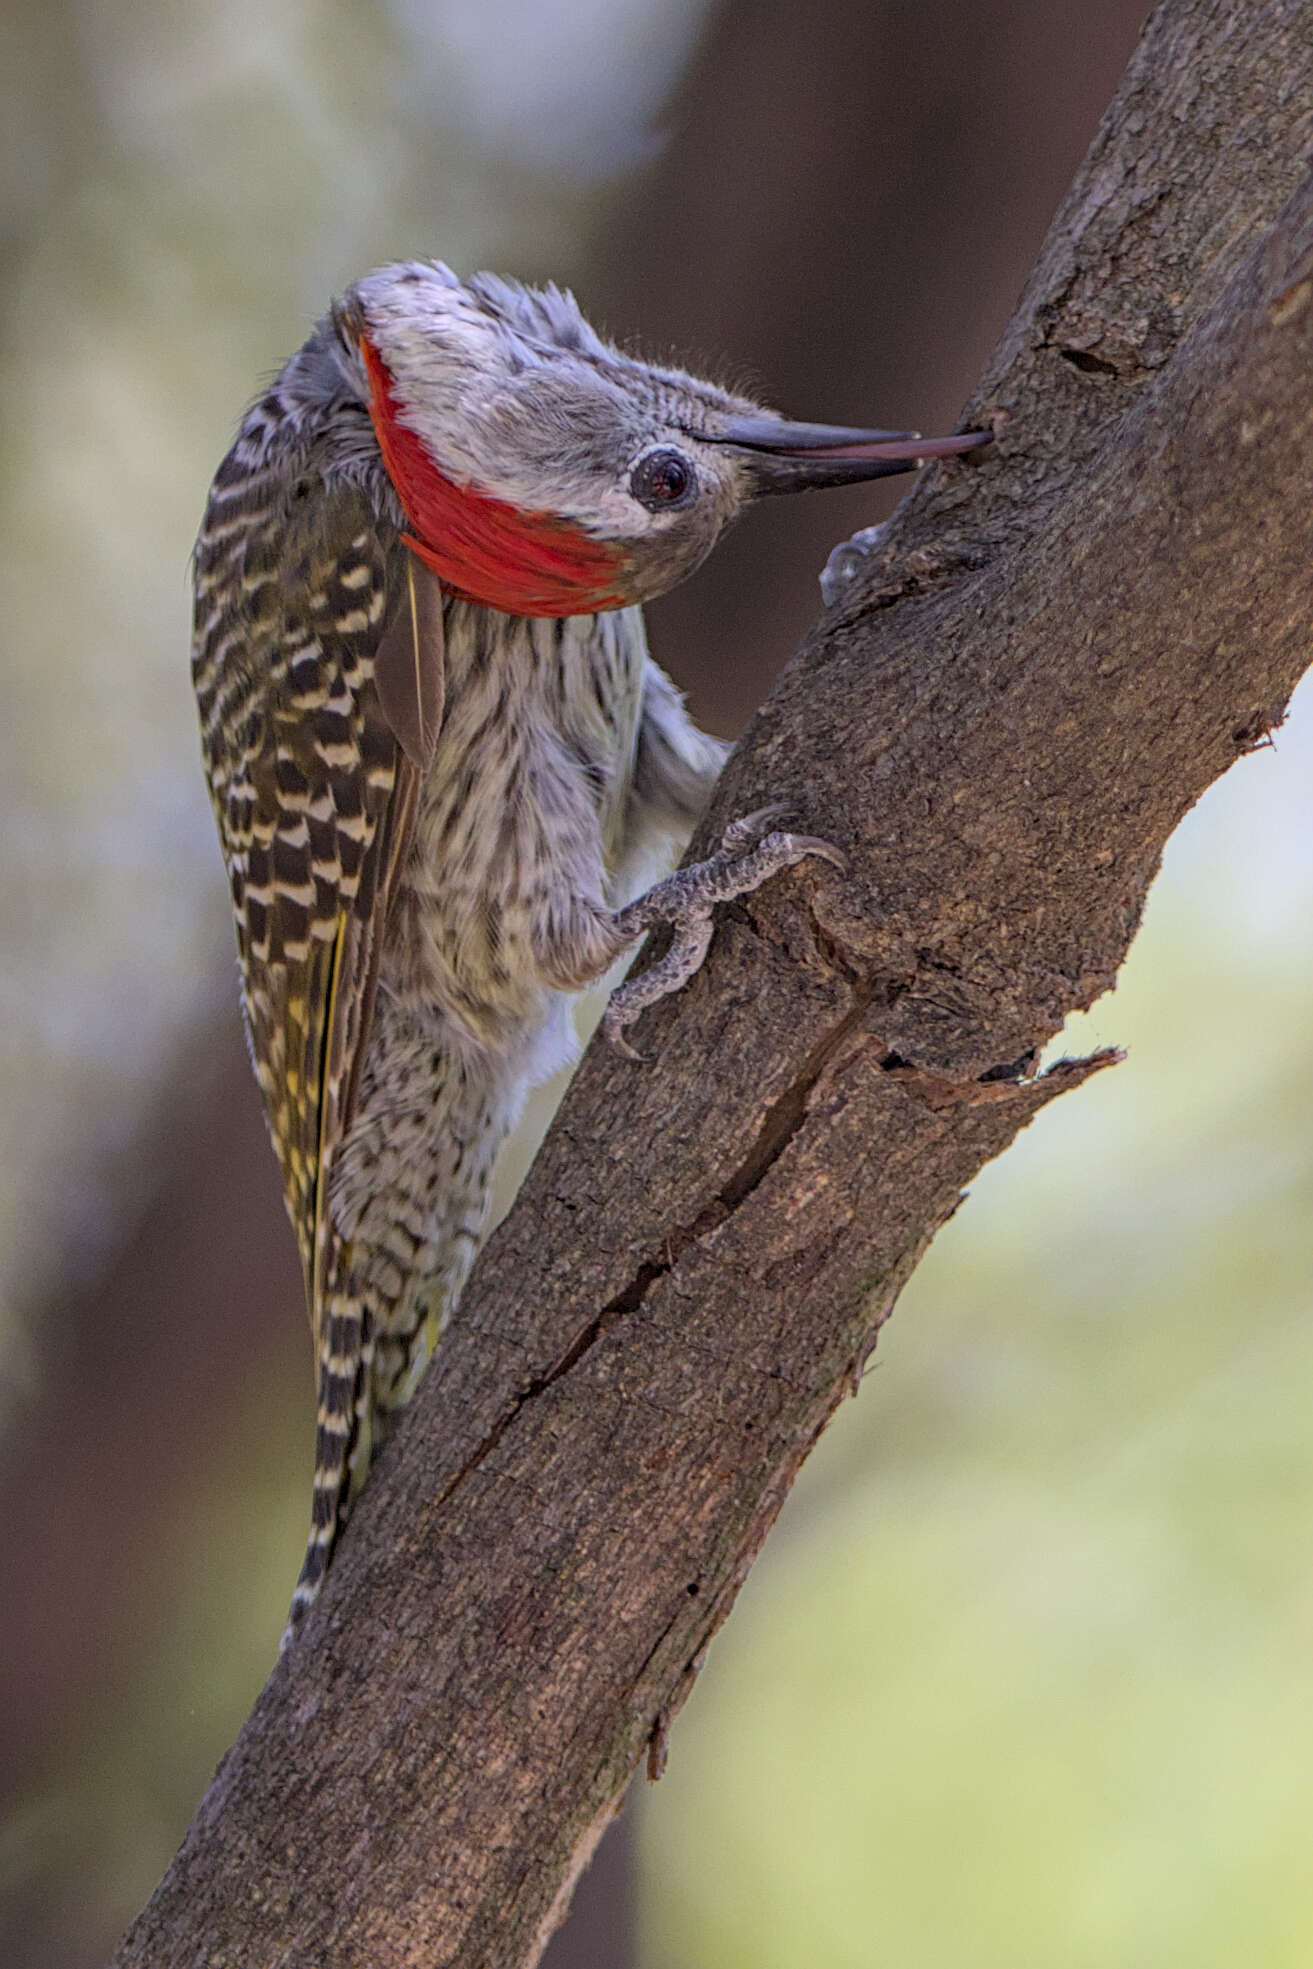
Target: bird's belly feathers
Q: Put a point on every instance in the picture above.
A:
(521, 817)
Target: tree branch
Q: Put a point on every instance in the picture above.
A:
(1051, 655)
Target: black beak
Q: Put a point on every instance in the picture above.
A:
(784, 457)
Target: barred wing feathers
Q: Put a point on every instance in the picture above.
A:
(296, 604)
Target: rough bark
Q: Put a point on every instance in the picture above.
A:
(1055, 650)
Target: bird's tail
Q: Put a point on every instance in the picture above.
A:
(409, 1216)
(342, 1447)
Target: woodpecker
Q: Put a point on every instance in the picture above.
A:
(439, 754)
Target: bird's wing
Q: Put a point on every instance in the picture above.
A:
(319, 671)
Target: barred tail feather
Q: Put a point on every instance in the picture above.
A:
(410, 1194)
(344, 1366)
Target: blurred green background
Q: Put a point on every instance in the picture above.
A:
(1024, 1675)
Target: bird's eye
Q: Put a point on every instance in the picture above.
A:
(663, 479)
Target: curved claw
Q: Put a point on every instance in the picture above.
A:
(811, 844)
(613, 1032)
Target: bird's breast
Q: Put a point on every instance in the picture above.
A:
(522, 812)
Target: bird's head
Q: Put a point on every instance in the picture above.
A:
(543, 472)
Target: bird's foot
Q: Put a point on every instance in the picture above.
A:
(751, 851)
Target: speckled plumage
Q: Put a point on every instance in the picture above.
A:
(431, 809)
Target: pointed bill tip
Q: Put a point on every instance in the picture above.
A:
(951, 447)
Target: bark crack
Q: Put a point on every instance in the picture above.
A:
(779, 1126)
